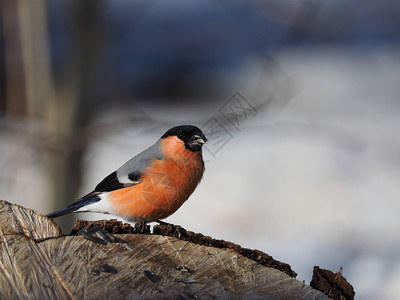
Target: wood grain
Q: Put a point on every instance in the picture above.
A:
(37, 262)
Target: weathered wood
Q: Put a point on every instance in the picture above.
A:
(36, 262)
(16, 219)
(332, 284)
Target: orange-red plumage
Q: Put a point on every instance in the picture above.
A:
(164, 187)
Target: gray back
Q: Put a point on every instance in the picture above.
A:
(137, 165)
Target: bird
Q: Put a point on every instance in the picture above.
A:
(153, 184)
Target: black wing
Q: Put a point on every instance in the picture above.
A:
(110, 183)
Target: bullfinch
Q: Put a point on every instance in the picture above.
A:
(152, 185)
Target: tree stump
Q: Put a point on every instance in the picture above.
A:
(38, 262)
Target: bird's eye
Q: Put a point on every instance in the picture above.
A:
(180, 136)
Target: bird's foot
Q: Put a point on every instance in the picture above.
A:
(141, 226)
(99, 235)
(173, 230)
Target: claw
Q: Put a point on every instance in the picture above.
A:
(141, 226)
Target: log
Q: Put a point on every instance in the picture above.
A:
(38, 262)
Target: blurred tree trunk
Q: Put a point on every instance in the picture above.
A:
(15, 102)
(64, 104)
(69, 116)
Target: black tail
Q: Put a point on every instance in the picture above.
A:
(74, 206)
(62, 212)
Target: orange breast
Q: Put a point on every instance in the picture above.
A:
(164, 187)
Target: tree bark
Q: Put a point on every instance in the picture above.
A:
(38, 262)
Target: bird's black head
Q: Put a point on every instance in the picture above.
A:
(191, 135)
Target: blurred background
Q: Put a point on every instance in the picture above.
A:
(299, 100)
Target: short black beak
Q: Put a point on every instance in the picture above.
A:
(200, 138)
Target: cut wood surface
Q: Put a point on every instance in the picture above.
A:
(38, 262)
